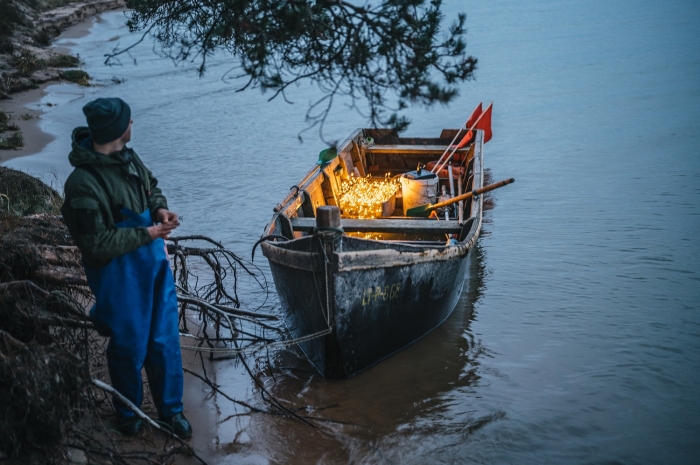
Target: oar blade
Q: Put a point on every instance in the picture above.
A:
(421, 211)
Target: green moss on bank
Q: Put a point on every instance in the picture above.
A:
(14, 140)
(27, 63)
(63, 61)
(76, 75)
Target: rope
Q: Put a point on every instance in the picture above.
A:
(322, 238)
(288, 342)
(327, 316)
(256, 347)
(263, 239)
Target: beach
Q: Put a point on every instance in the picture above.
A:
(19, 107)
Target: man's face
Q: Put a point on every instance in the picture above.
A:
(127, 135)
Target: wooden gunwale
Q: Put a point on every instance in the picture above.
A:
(366, 259)
(427, 149)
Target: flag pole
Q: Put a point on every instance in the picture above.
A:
(441, 166)
(478, 107)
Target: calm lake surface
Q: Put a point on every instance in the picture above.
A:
(578, 340)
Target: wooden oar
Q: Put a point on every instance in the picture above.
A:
(424, 210)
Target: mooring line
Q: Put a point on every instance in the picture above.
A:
(256, 347)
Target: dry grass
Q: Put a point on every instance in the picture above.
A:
(21, 194)
(26, 63)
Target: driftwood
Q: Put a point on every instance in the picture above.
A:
(64, 255)
(60, 275)
(38, 248)
(60, 265)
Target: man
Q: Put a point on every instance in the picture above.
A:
(118, 218)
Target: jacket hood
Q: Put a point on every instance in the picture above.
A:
(83, 154)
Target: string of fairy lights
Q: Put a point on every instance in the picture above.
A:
(364, 197)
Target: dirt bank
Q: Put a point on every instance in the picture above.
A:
(50, 355)
(53, 410)
(25, 57)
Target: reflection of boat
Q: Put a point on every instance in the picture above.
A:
(360, 293)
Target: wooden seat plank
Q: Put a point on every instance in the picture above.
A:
(411, 149)
(388, 225)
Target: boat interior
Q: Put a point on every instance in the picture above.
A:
(379, 155)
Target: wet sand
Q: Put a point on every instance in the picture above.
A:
(26, 104)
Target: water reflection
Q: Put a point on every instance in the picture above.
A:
(362, 418)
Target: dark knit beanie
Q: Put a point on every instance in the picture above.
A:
(107, 118)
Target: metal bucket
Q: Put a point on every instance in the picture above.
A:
(418, 188)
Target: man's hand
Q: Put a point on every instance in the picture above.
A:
(162, 230)
(168, 222)
(166, 216)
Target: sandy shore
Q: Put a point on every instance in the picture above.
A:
(25, 107)
(25, 104)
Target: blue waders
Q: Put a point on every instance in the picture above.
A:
(136, 306)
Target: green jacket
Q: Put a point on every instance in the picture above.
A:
(91, 205)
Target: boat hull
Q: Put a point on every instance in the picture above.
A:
(372, 312)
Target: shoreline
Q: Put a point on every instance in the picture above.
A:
(35, 139)
(24, 106)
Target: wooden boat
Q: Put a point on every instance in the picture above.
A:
(354, 295)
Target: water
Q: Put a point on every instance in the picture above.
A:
(579, 340)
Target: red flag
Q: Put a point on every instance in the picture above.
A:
(484, 123)
(469, 124)
(465, 140)
(474, 117)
